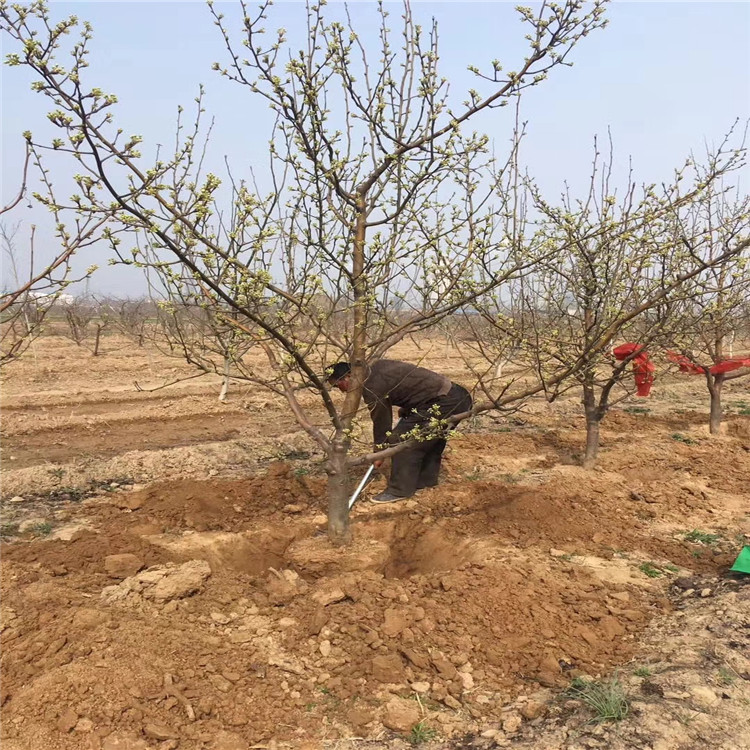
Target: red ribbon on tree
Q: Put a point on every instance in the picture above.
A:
(687, 365)
(643, 368)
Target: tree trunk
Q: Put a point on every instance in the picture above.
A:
(32, 342)
(339, 492)
(593, 418)
(225, 384)
(592, 442)
(338, 477)
(714, 424)
(96, 341)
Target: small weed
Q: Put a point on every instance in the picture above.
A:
(329, 700)
(606, 698)
(424, 702)
(577, 684)
(671, 568)
(701, 537)
(642, 672)
(63, 494)
(637, 409)
(75, 494)
(310, 706)
(697, 553)
(744, 411)
(294, 454)
(651, 570)
(726, 676)
(41, 529)
(474, 476)
(680, 438)
(57, 473)
(510, 478)
(301, 472)
(421, 733)
(685, 719)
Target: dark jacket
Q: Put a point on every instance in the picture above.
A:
(392, 383)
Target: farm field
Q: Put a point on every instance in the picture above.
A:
(167, 582)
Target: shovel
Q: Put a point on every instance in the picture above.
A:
(742, 563)
(361, 486)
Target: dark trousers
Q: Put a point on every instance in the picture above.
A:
(418, 467)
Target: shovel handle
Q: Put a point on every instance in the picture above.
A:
(361, 486)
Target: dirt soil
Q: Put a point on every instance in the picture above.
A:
(167, 582)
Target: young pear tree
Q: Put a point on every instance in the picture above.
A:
(372, 169)
(707, 320)
(206, 334)
(621, 270)
(30, 290)
(132, 317)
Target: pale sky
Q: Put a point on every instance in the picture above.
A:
(665, 77)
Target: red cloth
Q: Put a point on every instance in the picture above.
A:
(687, 365)
(643, 368)
(728, 365)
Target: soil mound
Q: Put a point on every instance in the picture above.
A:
(226, 505)
(576, 512)
(83, 558)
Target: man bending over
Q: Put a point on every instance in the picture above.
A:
(422, 395)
